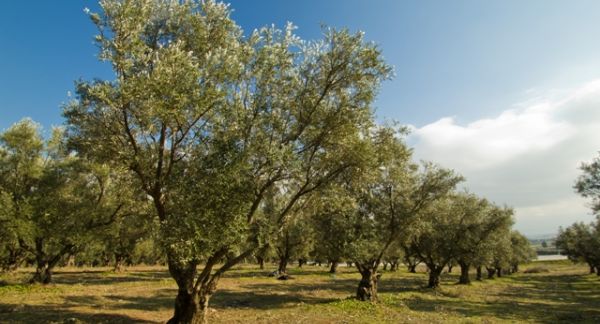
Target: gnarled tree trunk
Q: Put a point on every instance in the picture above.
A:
(434, 276)
(464, 273)
(46, 263)
(479, 275)
(191, 305)
(334, 265)
(411, 264)
(412, 268)
(43, 273)
(261, 262)
(367, 287)
(283, 262)
(499, 272)
(491, 272)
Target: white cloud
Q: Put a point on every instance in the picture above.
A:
(526, 157)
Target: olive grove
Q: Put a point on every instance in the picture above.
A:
(210, 147)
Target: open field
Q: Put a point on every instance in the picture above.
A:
(145, 295)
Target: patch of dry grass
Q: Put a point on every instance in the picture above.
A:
(145, 295)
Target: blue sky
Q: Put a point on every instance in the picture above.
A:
(462, 69)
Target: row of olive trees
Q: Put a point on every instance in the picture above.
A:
(580, 241)
(396, 209)
(224, 141)
(53, 204)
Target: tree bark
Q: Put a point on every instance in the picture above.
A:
(334, 265)
(367, 287)
(434, 276)
(394, 266)
(261, 263)
(464, 274)
(45, 263)
(43, 273)
(592, 269)
(189, 309)
(385, 264)
(282, 265)
(412, 268)
(499, 272)
(479, 276)
(450, 268)
(491, 272)
(190, 306)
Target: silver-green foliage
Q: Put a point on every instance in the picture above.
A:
(53, 198)
(209, 120)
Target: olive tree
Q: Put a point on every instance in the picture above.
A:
(453, 230)
(521, 251)
(481, 221)
(389, 201)
(581, 243)
(588, 183)
(209, 120)
(21, 170)
(122, 237)
(57, 198)
(333, 224)
(435, 239)
(294, 241)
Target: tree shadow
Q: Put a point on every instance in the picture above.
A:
(163, 299)
(545, 298)
(58, 314)
(262, 300)
(107, 278)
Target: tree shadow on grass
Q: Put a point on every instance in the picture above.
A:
(262, 300)
(163, 299)
(222, 299)
(107, 278)
(543, 298)
(277, 294)
(57, 314)
(540, 312)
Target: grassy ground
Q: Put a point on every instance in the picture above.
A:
(145, 295)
